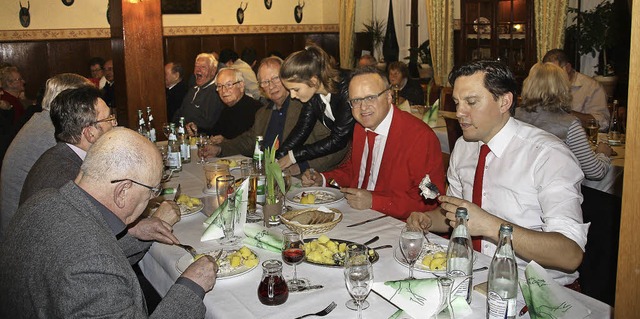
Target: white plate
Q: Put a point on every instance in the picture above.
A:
(324, 195)
(225, 270)
(186, 211)
(426, 249)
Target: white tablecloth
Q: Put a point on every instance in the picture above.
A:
(612, 181)
(237, 297)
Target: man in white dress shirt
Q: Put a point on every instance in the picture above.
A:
(530, 177)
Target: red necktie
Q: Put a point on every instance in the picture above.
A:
(371, 139)
(477, 188)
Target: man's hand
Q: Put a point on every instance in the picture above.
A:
(153, 228)
(285, 162)
(481, 223)
(311, 178)
(357, 198)
(419, 220)
(215, 140)
(209, 151)
(293, 170)
(203, 272)
(192, 129)
(169, 212)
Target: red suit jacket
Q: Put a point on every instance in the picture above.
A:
(411, 152)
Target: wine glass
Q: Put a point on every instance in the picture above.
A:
(356, 254)
(201, 141)
(293, 254)
(359, 279)
(411, 240)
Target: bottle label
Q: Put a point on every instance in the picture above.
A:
(461, 290)
(185, 151)
(460, 231)
(500, 308)
(152, 135)
(173, 159)
(261, 189)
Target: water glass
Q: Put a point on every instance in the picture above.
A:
(411, 240)
(356, 254)
(358, 278)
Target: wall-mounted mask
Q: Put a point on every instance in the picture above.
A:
(24, 15)
(240, 12)
(297, 12)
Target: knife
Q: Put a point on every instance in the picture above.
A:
(312, 287)
(366, 221)
(178, 192)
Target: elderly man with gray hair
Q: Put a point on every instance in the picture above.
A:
(62, 257)
(33, 139)
(202, 104)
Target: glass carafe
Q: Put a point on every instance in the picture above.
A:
(273, 289)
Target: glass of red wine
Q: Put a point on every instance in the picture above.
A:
(293, 254)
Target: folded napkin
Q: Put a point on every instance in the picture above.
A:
(419, 298)
(262, 237)
(431, 115)
(215, 221)
(404, 106)
(547, 299)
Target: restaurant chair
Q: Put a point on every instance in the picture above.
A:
(448, 108)
(600, 261)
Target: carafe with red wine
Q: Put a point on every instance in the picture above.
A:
(272, 290)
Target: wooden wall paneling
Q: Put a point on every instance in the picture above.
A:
(182, 50)
(99, 47)
(216, 43)
(328, 42)
(283, 43)
(69, 56)
(255, 41)
(31, 60)
(628, 275)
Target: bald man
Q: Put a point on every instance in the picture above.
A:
(61, 257)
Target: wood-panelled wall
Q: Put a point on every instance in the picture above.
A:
(39, 60)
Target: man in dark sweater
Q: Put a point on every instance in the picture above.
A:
(240, 109)
(176, 87)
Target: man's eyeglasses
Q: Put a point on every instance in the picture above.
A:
(274, 80)
(155, 191)
(227, 85)
(111, 118)
(367, 99)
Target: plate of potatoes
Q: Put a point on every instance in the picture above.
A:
(433, 258)
(327, 252)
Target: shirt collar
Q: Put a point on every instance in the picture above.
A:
(81, 153)
(285, 105)
(499, 142)
(384, 126)
(116, 225)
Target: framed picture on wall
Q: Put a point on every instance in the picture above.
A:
(181, 7)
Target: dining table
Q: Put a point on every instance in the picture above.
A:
(612, 181)
(236, 297)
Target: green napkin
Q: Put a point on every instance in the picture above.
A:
(418, 298)
(262, 237)
(215, 221)
(545, 298)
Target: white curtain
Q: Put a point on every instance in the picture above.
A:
(401, 18)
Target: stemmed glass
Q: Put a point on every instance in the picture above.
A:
(445, 310)
(358, 277)
(225, 191)
(411, 240)
(293, 254)
(201, 141)
(356, 254)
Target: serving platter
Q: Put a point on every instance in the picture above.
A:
(225, 269)
(372, 258)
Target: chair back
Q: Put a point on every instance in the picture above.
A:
(454, 131)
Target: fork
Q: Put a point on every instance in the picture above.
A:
(322, 312)
(188, 248)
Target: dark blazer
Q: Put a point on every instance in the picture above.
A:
(60, 259)
(312, 112)
(412, 151)
(175, 95)
(245, 143)
(235, 120)
(54, 168)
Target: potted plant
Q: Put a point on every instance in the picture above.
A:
(598, 30)
(275, 184)
(376, 30)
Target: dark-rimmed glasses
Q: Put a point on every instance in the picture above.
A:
(227, 86)
(155, 191)
(274, 80)
(367, 99)
(111, 118)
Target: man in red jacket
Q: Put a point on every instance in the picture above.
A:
(392, 152)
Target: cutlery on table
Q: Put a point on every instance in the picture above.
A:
(371, 241)
(367, 221)
(382, 247)
(188, 248)
(322, 312)
(332, 183)
(312, 287)
(178, 192)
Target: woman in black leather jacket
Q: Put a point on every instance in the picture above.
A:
(310, 77)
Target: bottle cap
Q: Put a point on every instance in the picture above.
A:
(461, 212)
(506, 227)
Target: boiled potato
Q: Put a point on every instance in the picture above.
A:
(438, 264)
(308, 199)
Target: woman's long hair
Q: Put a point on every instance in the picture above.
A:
(302, 65)
(547, 87)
